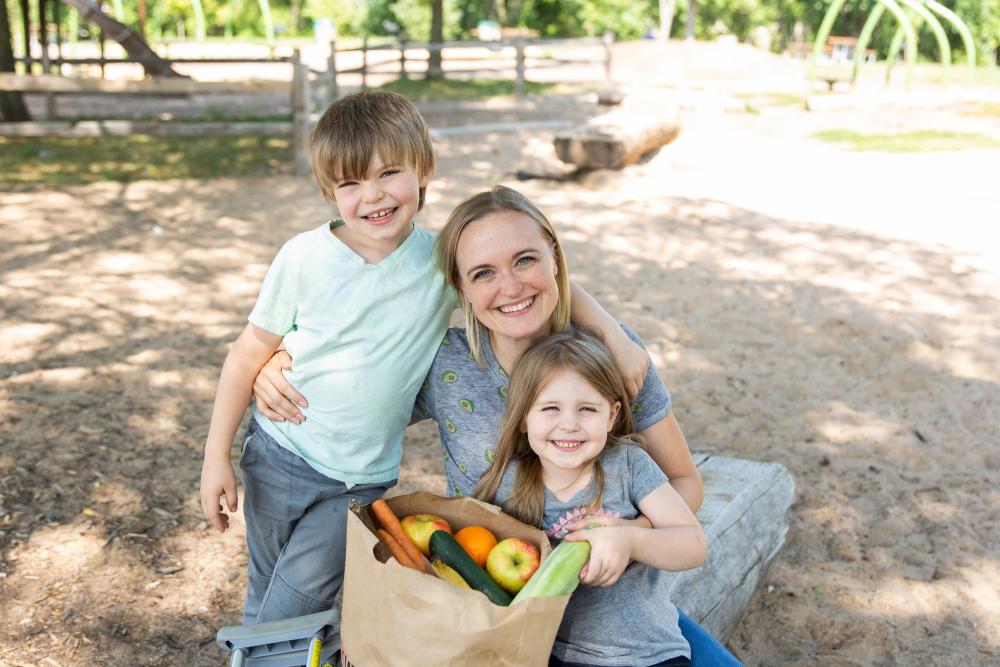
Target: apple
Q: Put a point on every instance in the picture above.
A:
(512, 562)
(420, 527)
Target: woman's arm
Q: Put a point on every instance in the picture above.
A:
(251, 349)
(669, 449)
(630, 358)
(275, 397)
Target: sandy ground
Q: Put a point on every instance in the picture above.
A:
(833, 311)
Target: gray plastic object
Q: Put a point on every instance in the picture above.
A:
(288, 643)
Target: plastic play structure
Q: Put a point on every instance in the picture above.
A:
(922, 11)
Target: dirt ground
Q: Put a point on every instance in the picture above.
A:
(830, 310)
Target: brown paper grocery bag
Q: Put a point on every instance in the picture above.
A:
(396, 617)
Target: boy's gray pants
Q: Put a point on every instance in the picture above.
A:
(296, 522)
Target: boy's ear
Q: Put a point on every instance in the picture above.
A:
(615, 409)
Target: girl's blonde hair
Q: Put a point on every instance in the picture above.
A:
(358, 126)
(497, 200)
(576, 350)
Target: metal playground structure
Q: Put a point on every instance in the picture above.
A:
(920, 11)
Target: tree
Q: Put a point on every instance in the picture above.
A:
(437, 37)
(131, 41)
(692, 14)
(12, 106)
(667, 8)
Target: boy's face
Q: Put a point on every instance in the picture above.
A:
(377, 209)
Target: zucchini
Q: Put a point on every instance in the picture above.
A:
(451, 553)
(559, 573)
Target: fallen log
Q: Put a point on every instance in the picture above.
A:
(620, 137)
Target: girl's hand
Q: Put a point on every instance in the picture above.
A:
(631, 360)
(218, 480)
(274, 397)
(585, 521)
(610, 554)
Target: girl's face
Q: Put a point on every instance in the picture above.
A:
(508, 274)
(568, 424)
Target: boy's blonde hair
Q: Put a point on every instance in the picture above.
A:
(358, 126)
(576, 350)
(497, 200)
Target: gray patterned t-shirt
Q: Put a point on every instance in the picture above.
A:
(631, 622)
(468, 403)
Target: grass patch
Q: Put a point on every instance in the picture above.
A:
(465, 89)
(909, 142)
(762, 100)
(49, 160)
(981, 109)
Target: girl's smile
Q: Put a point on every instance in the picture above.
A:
(567, 427)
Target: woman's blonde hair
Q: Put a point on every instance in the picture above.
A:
(358, 126)
(497, 200)
(576, 350)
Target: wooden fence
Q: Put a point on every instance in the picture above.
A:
(402, 55)
(405, 59)
(50, 85)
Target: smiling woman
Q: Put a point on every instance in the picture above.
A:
(502, 256)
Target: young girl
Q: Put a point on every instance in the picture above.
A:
(566, 455)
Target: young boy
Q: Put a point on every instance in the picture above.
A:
(362, 307)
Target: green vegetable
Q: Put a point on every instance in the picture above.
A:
(451, 553)
(559, 573)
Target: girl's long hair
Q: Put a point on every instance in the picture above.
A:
(576, 350)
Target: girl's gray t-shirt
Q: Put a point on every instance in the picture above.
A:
(632, 622)
(468, 403)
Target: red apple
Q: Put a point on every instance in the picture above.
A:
(512, 562)
(420, 527)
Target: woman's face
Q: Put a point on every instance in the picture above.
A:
(508, 274)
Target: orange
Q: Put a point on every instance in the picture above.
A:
(477, 542)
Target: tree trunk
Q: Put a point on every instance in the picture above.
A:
(667, 8)
(437, 37)
(12, 107)
(131, 41)
(692, 13)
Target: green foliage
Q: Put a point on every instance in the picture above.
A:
(58, 160)
(628, 19)
(415, 17)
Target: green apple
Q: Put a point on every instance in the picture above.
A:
(512, 562)
(420, 527)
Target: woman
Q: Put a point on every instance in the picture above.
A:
(504, 260)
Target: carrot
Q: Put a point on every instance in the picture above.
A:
(396, 550)
(388, 519)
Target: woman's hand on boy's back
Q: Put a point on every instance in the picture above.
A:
(610, 552)
(275, 398)
(218, 481)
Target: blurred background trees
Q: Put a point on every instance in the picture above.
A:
(774, 24)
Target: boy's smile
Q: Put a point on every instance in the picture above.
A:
(378, 208)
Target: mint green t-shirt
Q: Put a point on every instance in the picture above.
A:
(362, 337)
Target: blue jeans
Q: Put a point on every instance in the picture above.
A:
(706, 650)
(296, 523)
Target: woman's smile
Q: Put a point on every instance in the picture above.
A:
(518, 308)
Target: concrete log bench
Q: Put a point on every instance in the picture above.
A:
(745, 517)
(620, 137)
